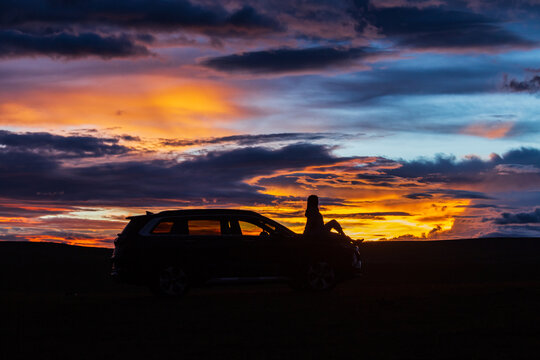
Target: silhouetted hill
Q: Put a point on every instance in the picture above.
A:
(455, 252)
(52, 267)
(467, 260)
(26, 266)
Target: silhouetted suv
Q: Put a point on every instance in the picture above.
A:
(174, 250)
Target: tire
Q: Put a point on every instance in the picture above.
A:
(320, 276)
(171, 281)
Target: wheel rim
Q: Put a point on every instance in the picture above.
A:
(172, 281)
(321, 276)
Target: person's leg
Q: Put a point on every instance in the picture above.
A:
(333, 224)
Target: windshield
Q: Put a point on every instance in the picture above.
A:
(280, 229)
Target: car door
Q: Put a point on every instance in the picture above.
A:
(264, 253)
(216, 251)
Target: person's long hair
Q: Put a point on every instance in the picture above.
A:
(312, 205)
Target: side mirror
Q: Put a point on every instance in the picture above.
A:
(264, 234)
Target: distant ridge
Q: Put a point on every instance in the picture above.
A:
(31, 266)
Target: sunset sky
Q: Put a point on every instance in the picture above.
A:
(409, 119)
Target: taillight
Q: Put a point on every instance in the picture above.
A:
(118, 245)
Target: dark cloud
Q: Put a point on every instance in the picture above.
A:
(130, 138)
(531, 86)
(248, 18)
(522, 156)
(254, 161)
(375, 177)
(416, 196)
(447, 169)
(479, 206)
(160, 15)
(379, 82)
(23, 163)
(246, 139)
(59, 146)
(519, 218)
(449, 193)
(462, 194)
(216, 175)
(292, 180)
(76, 29)
(29, 210)
(514, 231)
(16, 44)
(82, 28)
(370, 215)
(436, 27)
(441, 169)
(288, 60)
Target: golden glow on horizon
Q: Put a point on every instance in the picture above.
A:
(375, 220)
(93, 242)
(370, 211)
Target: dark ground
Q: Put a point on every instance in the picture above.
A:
(470, 299)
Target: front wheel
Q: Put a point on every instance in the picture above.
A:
(171, 281)
(321, 276)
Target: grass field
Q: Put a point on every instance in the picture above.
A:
(470, 299)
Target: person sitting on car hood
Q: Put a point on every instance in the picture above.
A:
(315, 225)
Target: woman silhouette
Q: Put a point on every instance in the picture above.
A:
(314, 223)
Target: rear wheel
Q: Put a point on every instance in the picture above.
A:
(320, 276)
(171, 281)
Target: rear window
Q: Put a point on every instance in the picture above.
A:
(175, 226)
(134, 224)
(204, 227)
(163, 227)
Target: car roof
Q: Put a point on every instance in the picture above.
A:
(201, 212)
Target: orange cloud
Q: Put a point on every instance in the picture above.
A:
(144, 106)
(372, 209)
(492, 130)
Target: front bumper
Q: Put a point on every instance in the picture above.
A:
(117, 272)
(357, 264)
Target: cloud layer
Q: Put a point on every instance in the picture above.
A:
(74, 29)
(17, 44)
(49, 181)
(288, 60)
(58, 146)
(113, 30)
(519, 218)
(436, 27)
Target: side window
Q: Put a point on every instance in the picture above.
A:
(163, 227)
(250, 229)
(173, 226)
(204, 227)
(271, 227)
